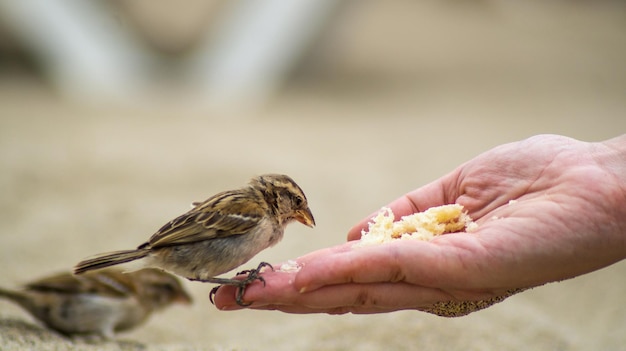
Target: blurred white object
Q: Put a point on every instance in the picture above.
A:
(254, 47)
(87, 53)
(81, 46)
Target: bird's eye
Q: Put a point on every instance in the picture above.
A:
(165, 288)
(298, 201)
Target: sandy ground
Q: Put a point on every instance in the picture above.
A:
(78, 180)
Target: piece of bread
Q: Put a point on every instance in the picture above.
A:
(425, 226)
(418, 226)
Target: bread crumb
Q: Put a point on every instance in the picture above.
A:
(418, 226)
(290, 266)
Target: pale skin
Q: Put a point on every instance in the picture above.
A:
(567, 218)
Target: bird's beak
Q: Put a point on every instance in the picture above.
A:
(305, 217)
(184, 298)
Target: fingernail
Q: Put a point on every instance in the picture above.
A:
(229, 308)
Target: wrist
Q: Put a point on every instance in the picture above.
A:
(618, 144)
(611, 156)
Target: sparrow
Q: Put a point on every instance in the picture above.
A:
(220, 234)
(98, 303)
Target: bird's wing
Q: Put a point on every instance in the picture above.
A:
(238, 215)
(105, 282)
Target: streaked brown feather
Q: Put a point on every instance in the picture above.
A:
(219, 216)
(105, 283)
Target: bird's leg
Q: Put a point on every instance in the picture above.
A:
(257, 270)
(253, 274)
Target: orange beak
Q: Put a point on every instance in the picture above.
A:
(183, 298)
(305, 217)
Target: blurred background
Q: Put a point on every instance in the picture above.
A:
(116, 115)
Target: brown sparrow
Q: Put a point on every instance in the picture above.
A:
(98, 303)
(220, 233)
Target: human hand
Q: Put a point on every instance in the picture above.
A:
(567, 218)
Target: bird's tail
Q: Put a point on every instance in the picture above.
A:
(109, 259)
(16, 296)
(9, 294)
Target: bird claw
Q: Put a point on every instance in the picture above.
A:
(213, 292)
(253, 274)
(257, 270)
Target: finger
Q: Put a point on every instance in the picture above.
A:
(381, 297)
(296, 309)
(449, 261)
(331, 266)
(421, 199)
(278, 285)
(354, 298)
(367, 264)
(279, 279)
